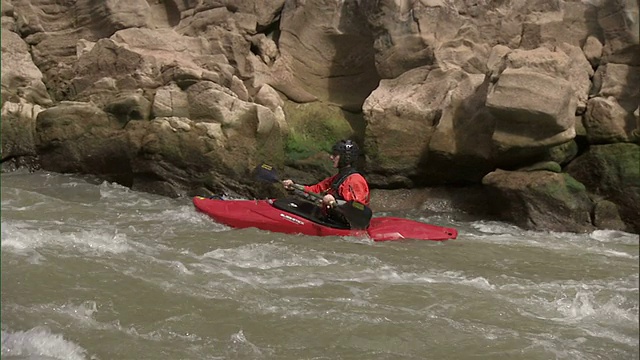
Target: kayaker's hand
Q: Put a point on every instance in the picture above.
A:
(328, 200)
(288, 184)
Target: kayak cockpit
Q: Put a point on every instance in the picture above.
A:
(309, 211)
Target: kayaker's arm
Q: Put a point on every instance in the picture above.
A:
(320, 187)
(301, 190)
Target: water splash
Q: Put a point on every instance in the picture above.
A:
(23, 239)
(42, 343)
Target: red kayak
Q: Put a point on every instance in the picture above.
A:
(293, 216)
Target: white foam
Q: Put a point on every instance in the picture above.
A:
(620, 254)
(615, 236)
(21, 238)
(264, 256)
(241, 346)
(495, 227)
(180, 267)
(40, 342)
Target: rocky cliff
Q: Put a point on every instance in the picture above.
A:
(537, 102)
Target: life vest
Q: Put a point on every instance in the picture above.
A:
(339, 179)
(333, 184)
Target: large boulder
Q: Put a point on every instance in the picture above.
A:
(613, 172)
(81, 138)
(540, 200)
(533, 104)
(606, 121)
(18, 130)
(404, 111)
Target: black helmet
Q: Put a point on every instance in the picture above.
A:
(348, 151)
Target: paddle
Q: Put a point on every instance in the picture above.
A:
(357, 214)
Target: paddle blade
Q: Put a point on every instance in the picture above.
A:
(266, 173)
(357, 214)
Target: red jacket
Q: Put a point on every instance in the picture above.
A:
(354, 187)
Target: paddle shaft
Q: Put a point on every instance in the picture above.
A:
(357, 214)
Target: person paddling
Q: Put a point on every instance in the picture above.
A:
(347, 184)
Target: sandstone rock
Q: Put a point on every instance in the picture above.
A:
(405, 111)
(170, 100)
(619, 22)
(18, 129)
(268, 97)
(83, 47)
(540, 200)
(70, 121)
(579, 74)
(126, 14)
(612, 171)
(405, 33)
(224, 34)
(328, 50)
(164, 14)
(184, 76)
(592, 49)
(8, 24)
(464, 52)
(127, 107)
(620, 81)
(280, 78)
(177, 155)
(7, 8)
(496, 63)
(236, 22)
(81, 138)
(606, 216)
(21, 79)
(462, 136)
(211, 102)
(55, 28)
(238, 88)
(553, 63)
(551, 166)
(266, 48)
(532, 110)
(213, 131)
(27, 19)
(147, 59)
(563, 153)
(130, 70)
(265, 11)
(607, 122)
(554, 23)
(266, 120)
(183, 124)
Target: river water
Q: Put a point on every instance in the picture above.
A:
(95, 270)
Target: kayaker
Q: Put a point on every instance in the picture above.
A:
(347, 184)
